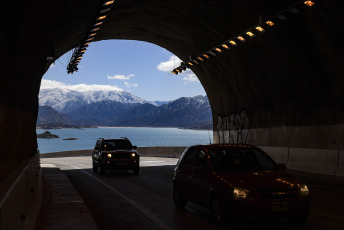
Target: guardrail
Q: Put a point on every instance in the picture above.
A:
(21, 195)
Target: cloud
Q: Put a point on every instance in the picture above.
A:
(121, 77)
(174, 62)
(128, 85)
(52, 84)
(190, 77)
(169, 65)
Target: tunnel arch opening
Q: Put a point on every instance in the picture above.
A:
(141, 73)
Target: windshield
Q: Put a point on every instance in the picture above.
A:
(240, 160)
(117, 144)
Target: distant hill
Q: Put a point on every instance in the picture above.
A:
(75, 109)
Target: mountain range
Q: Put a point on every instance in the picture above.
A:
(68, 108)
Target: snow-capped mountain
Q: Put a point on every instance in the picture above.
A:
(66, 100)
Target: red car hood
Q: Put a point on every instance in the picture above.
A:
(259, 180)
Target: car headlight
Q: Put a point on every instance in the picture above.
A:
(240, 193)
(109, 155)
(304, 191)
(133, 155)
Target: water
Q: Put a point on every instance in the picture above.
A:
(141, 137)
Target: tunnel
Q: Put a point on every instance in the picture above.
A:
(280, 88)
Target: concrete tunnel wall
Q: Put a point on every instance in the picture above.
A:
(281, 89)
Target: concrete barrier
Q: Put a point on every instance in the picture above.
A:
(72, 153)
(21, 196)
(340, 168)
(323, 161)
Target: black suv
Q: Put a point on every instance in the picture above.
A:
(115, 154)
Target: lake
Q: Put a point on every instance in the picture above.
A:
(139, 136)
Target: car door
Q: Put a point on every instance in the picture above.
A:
(200, 178)
(184, 172)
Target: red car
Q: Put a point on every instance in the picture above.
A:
(238, 181)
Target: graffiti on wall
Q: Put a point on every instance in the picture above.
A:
(233, 129)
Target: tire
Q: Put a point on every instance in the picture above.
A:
(217, 211)
(136, 170)
(95, 168)
(101, 169)
(178, 199)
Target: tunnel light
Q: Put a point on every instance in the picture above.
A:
(206, 56)
(270, 23)
(89, 39)
(195, 62)
(249, 33)
(95, 29)
(108, 3)
(309, 3)
(233, 43)
(241, 38)
(260, 29)
(183, 67)
(98, 24)
(199, 58)
(225, 46)
(92, 35)
(101, 18)
(175, 72)
(218, 49)
(190, 63)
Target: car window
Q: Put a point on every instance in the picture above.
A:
(240, 160)
(189, 157)
(116, 144)
(200, 159)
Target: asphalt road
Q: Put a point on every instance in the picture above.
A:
(122, 200)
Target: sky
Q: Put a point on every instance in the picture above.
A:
(141, 68)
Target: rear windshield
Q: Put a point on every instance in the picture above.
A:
(240, 160)
(117, 144)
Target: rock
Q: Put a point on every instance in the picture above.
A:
(47, 134)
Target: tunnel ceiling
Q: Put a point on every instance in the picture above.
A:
(289, 75)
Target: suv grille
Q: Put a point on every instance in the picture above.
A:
(121, 155)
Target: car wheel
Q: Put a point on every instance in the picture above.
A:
(178, 199)
(217, 211)
(101, 169)
(95, 168)
(136, 170)
(298, 220)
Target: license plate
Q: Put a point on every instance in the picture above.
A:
(279, 206)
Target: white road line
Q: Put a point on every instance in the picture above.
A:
(133, 203)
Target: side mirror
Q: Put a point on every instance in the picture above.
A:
(134, 147)
(282, 166)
